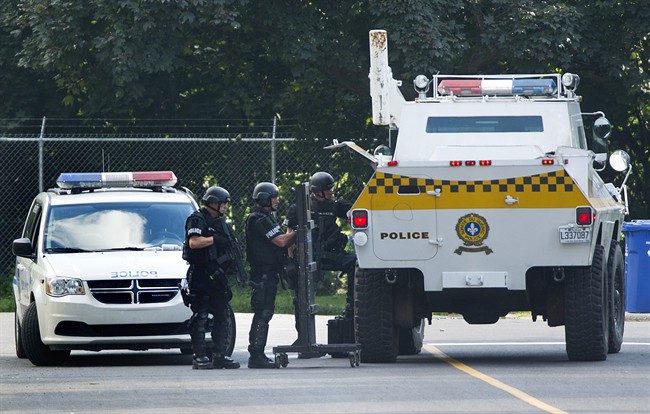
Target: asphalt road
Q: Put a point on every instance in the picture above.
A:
(514, 366)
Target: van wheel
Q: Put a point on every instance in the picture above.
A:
(616, 278)
(38, 353)
(375, 329)
(231, 330)
(231, 335)
(410, 340)
(587, 317)
(20, 350)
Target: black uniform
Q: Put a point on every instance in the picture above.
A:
(329, 241)
(209, 290)
(266, 260)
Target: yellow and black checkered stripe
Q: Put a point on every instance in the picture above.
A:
(554, 189)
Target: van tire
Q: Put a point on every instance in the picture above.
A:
(586, 306)
(38, 353)
(616, 278)
(231, 335)
(20, 350)
(231, 330)
(375, 329)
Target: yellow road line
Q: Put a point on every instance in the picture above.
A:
(492, 381)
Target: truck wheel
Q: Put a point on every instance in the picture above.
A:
(375, 329)
(616, 278)
(20, 350)
(410, 340)
(38, 353)
(587, 316)
(231, 330)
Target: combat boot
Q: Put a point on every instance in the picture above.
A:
(201, 362)
(221, 361)
(259, 360)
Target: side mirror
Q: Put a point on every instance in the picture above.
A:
(602, 128)
(23, 248)
(619, 160)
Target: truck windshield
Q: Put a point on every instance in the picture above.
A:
(115, 226)
(486, 124)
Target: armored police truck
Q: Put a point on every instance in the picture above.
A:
(488, 202)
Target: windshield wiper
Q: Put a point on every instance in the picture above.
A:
(136, 249)
(67, 250)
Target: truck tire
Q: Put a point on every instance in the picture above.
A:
(410, 340)
(587, 316)
(20, 350)
(375, 329)
(616, 278)
(38, 353)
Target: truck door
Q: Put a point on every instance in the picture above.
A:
(403, 217)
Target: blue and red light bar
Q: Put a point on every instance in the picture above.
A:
(501, 87)
(137, 179)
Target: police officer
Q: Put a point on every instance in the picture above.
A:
(328, 240)
(209, 290)
(266, 246)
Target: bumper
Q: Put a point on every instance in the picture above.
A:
(80, 322)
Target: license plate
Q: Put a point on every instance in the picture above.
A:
(575, 235)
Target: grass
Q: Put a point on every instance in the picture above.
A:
(7, 304)
(327, 305)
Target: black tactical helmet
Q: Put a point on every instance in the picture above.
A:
(216, 194)
(321, 181)
(264, 192)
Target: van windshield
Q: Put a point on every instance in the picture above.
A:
(116, 226)
(487, 124)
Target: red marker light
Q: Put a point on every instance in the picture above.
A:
(455, 163)
(485, 163)
(360, 219)
(392, 163)
(470, 163)
(547, 162)
(584, 216)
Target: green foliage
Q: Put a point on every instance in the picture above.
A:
(308, 61)
(7, 303)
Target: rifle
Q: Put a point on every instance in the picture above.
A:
(235, 253)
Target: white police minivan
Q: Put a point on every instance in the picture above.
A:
(99, 265)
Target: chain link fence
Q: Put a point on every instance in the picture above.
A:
(233, 154)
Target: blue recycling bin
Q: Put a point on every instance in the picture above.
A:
(637, 265)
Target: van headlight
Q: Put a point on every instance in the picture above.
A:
(63, 286)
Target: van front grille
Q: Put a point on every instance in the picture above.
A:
(135, 291)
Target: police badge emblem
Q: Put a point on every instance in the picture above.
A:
(472, 229)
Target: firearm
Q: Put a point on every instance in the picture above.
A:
(235, 253)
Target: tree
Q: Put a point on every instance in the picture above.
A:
(308, 60)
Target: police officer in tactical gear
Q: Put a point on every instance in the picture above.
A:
(209, 290)
(328, 240)
(266, 245)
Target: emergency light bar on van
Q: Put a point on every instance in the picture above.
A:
(480, 87)
(136, 179)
